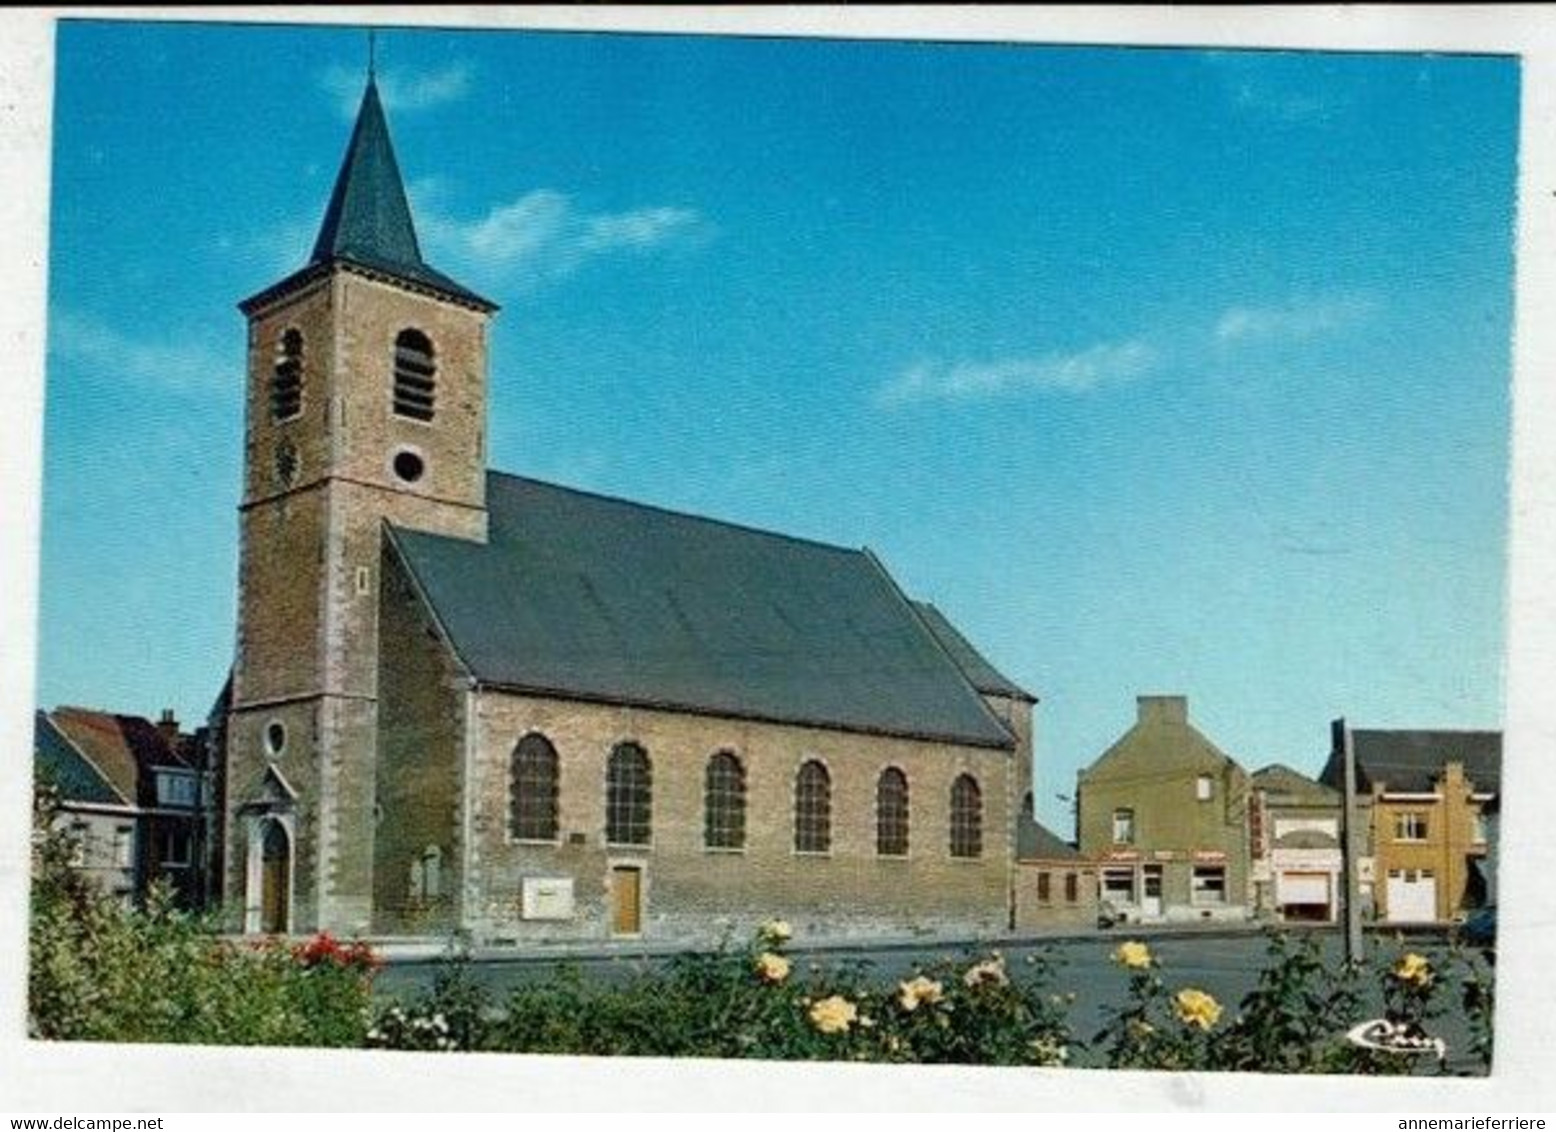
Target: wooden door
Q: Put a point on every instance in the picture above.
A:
(626, 901)
(275, 879)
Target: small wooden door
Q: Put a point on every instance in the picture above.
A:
(275, 879)
(626, 900)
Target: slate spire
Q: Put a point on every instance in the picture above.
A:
(369, 217)
(368, 221)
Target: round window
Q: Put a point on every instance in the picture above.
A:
(408, 466)
(275, 738)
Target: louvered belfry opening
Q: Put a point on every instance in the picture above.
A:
(286, 383)
(415, 376)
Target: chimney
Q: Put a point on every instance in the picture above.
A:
(1163, 709)
(167, 727)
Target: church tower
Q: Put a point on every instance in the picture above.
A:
(365, 404)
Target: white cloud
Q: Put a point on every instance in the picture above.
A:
(401, 91)
(1273, 85)
(1299, 320)
(543, 235)
(1105, 364)
(175, 367)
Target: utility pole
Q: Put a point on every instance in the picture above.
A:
(1350, 858)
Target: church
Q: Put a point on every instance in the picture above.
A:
(464, 700)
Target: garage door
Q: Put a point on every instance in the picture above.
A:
(1302, 888)
(1412, 896)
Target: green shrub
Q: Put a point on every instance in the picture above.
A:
(752, 1002)
(101, 972)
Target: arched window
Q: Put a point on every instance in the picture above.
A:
(891, 813)
(966, 817)
(286, 380)
(813, 809)
(724, 803)
(532, 800)
(629, 796)
(415, 373)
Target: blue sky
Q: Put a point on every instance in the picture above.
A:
(1157, 370)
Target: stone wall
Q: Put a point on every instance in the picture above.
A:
(317, 490)
(421, 735)
(1043, 905)
(693, 893)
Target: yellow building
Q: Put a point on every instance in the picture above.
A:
(1423, 796)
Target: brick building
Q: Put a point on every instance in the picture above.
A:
(463, 699)
(1423, 797)
(1055, 886)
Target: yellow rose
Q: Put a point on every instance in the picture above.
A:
(772, 968)
(989, 971)
(917, 990)
(1134, 954)
(1047, 1051)
(833, 1015)
(775, 932)
(1196, 1008)
(1413, 968)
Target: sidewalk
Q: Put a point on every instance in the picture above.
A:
(403, 950)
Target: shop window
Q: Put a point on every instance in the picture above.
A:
(1208, 885)
(1118, 886)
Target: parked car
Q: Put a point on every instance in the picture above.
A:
(1480, 929)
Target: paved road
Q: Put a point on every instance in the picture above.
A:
(1225, 965)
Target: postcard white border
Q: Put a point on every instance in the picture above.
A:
(62, 1078)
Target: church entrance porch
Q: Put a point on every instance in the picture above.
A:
(269, 894)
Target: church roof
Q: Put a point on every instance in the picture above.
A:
(596, 598)
(368, 222)
(974, 665)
